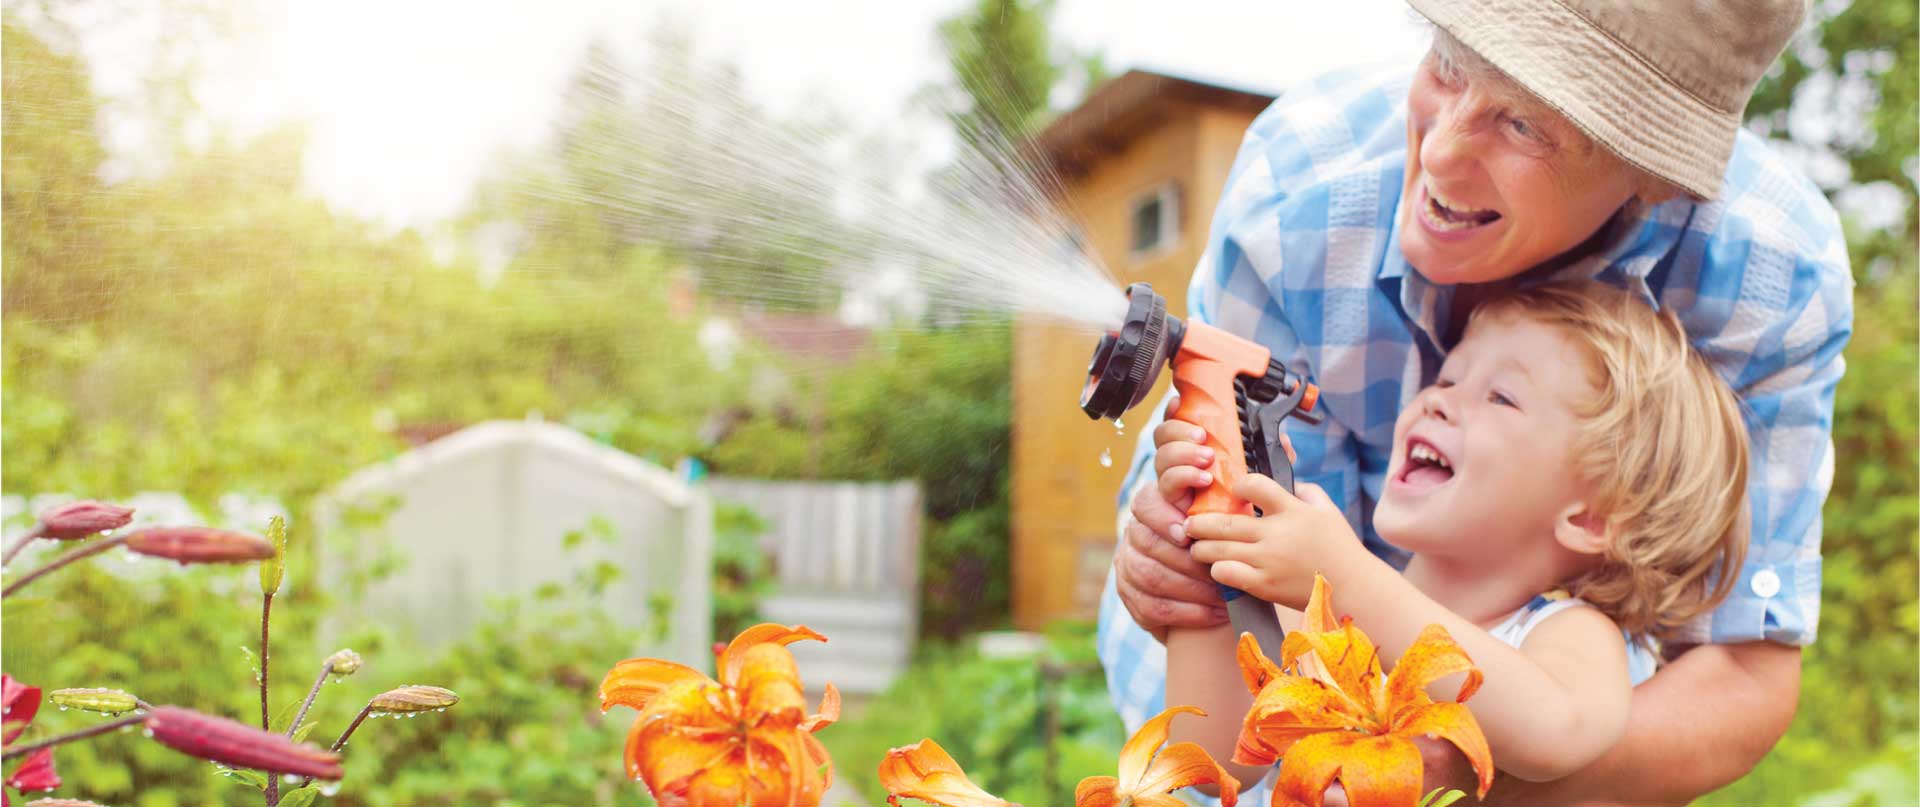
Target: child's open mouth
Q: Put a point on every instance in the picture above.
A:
(1447, 215)
(1425, 466)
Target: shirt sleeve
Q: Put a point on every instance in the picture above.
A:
(1779, 343)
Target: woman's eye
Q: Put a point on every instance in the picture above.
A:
(1523, 128)
(1501, 400)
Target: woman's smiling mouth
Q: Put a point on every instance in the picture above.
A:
(1447, 216)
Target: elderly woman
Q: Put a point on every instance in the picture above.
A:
(1538, 140)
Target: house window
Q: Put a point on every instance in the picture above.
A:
(1156, 220)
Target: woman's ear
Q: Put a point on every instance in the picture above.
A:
(1583, 530)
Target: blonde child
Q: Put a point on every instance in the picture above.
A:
(1575, 473)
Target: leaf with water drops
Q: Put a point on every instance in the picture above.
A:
(299, 797)
(241, 776)
(300, 734)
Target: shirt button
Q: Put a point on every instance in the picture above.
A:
(1766, 582)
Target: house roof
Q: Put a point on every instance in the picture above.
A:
(1124, 107)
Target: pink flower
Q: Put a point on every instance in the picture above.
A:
(239, 745)
(199, 545)
(36, 773)
(75, 520)
(18, 704)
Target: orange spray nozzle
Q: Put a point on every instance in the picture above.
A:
(1230, 387)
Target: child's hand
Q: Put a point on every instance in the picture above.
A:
(1275, 556)
(1180, 463)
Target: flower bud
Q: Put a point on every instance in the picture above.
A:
(238, 745)
(344, 662)
(76, 520)
(109, 701)
(199, 545)
(413, 699)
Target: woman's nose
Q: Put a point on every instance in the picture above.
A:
(1446, 150)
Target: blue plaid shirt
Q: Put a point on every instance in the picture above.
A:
(1304, 258)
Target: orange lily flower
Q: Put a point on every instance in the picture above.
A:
(1148, 773)
(926, 772)
(1331, 712)
(744, 739)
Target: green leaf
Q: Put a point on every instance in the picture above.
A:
(300, 734)
(299, 797)
(274, 568)
(243, 776)
(1437, 798)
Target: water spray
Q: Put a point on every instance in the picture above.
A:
(1230, 387)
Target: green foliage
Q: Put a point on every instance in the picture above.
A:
(742, 573)
(932, 406)
(992, 714)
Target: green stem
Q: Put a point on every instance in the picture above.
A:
(266, 611)
(342, 742)
(39, 529)
(76, 555)
(325, 670)
(82, 734)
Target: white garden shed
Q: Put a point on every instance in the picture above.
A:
(486, 512)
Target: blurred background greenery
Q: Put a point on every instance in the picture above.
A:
(214, 329)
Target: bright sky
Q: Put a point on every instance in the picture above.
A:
(410, 102)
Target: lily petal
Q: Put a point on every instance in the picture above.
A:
(926, 772)
(768, 685)
(1311, 765)
(1432, 657)
(1255, 668)
(763, 633)
(1318, 618)
(1382, 770)
(636, 681)
(1453, 723)
(1181, 765)
(665, 747)
(1287, 709)
(829, 711)
(1139, 750)
(1097, 791)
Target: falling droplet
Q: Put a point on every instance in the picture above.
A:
(63, 708)
(1106, 458)
(1118, 427)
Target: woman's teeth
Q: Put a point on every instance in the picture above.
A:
(1447, 215)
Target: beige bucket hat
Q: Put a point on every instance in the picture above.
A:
(1662, 83)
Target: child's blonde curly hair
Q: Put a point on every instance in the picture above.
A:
(1663, 443)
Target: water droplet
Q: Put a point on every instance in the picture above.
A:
(1106, 458)
(148, 732)
(1118, 426)
(289, 779)
(63, 708)
(330, 789)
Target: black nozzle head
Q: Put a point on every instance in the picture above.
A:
(1128, 361)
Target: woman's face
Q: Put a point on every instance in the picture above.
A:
(1497, 183)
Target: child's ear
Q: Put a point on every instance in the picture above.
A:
(1583, 529)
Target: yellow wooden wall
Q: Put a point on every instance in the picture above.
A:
(1062, 498)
